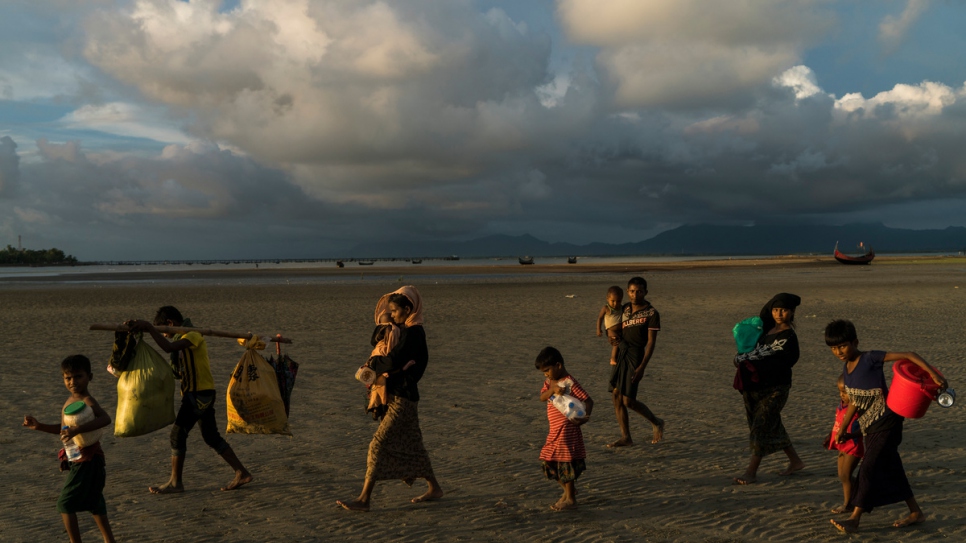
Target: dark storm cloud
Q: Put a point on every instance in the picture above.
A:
(337, 122)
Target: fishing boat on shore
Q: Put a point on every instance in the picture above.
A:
(865, 258)
(526, 260)
(366, 262)
(572, 260)
(417, 261)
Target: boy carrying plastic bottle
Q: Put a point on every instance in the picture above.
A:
(563, 453)
(84, 488)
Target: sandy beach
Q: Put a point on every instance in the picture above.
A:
(481, 419)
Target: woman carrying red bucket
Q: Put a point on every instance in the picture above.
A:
(882, 479)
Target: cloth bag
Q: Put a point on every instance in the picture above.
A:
(747, 333)
(255, 404)
(145, 393)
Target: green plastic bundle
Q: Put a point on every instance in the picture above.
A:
(747, 333)
(145, 394)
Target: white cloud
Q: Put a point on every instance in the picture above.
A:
(893, 30)
(801, 79)
(347, 83)
(908, 102)
(688, 53)
(553, 93)
(125, 119)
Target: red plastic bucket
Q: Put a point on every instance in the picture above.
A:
(912, 390)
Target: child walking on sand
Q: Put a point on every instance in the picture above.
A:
(197, 398)
(610, 318)
(563, 453)
(84, 488)
(882, 479)
(850, 449)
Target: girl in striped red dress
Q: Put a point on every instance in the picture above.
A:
(563, 454)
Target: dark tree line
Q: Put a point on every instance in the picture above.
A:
(11, 255)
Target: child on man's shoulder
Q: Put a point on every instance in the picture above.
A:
(610, 319)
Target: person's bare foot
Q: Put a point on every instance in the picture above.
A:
(240, 479)
(613, 362)
(848, 526)
(564, 504)
(353, 505)
(430, 495)
(792, 468)
(912, 518)
(744, 480)
(658, 432)
(839, 509)
(167, 488)
(622, 442)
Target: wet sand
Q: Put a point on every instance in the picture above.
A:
(481, 419)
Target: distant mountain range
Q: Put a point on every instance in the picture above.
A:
(700, 239)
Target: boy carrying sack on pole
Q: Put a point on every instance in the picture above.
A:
(197, 399)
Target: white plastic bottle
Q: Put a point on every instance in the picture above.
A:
(76, 414)
(71, 449)
(571, 407)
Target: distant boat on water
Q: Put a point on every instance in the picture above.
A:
(572, 260)
(417, 261)
(526, 260)
(452, 257)
(864, 258)
(366, 262)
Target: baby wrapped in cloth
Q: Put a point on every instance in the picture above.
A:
(385, 337)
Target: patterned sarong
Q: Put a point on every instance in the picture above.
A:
(764, 411)
(396, 450)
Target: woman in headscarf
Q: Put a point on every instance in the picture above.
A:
(396, 450)
(764, 379)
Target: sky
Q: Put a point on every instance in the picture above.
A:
(224, 129)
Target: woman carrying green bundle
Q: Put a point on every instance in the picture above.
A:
(764, 379)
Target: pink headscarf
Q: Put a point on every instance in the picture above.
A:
(409, 291)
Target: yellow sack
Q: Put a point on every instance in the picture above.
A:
(255, 404)
(145, 394)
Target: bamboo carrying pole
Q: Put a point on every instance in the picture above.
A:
(184, 330)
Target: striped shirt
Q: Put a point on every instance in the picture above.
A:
(565, 442)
